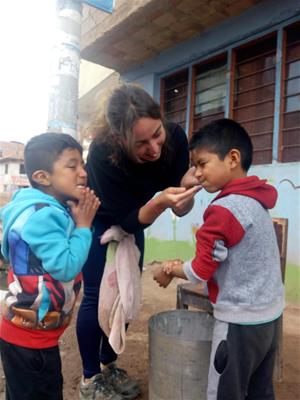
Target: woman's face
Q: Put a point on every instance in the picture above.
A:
(149, 135)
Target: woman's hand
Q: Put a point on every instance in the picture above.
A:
(85, 210)
(189, 179)
(176, 197)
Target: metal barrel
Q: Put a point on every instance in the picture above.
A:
(179, 353)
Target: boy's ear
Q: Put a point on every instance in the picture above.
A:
(41, 177)
(235, 157)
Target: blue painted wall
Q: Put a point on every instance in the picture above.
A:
(288, 206)
(263, 18)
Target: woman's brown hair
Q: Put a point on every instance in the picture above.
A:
(125, 106)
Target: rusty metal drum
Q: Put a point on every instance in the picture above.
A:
(179, 353)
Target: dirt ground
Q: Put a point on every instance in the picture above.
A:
(135, 357)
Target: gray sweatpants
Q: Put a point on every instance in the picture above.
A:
(242, 361)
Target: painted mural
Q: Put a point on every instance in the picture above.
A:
(173, 237)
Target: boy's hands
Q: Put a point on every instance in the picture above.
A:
(161, 277)
(84, 211)
(164, 274)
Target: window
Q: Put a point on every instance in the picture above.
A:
(209, 92)
(246, 93)
(290, 135)
(254, 95)
(174, 97)
(22, 169)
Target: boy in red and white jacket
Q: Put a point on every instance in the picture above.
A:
(237, 256)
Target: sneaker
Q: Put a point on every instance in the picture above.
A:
(98, 388)
(127, 387)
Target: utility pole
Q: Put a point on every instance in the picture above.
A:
(63, 97)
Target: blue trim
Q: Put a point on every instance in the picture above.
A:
(59, 123)
(278, 88)
(104, 5)
(156, 88)
(188, 102)
(228, 69)
(72, 46)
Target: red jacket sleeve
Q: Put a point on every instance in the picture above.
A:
(220, 231)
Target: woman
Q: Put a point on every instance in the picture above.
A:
(134, 155)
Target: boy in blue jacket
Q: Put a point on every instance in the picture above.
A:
(46, 239)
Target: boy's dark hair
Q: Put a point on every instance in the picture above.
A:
(221, 136)
(43, 150)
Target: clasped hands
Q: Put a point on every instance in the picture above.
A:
(164, 273)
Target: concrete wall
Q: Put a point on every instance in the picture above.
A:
(12, 180)
(13, 168)
(90, 76)
(255, 22)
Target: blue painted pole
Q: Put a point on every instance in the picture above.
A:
(278, 95)
(189, 100)
(228, 78)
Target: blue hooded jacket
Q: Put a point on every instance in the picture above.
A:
(49, 232)
(46, 253)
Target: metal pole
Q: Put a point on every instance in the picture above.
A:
(63, 97)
